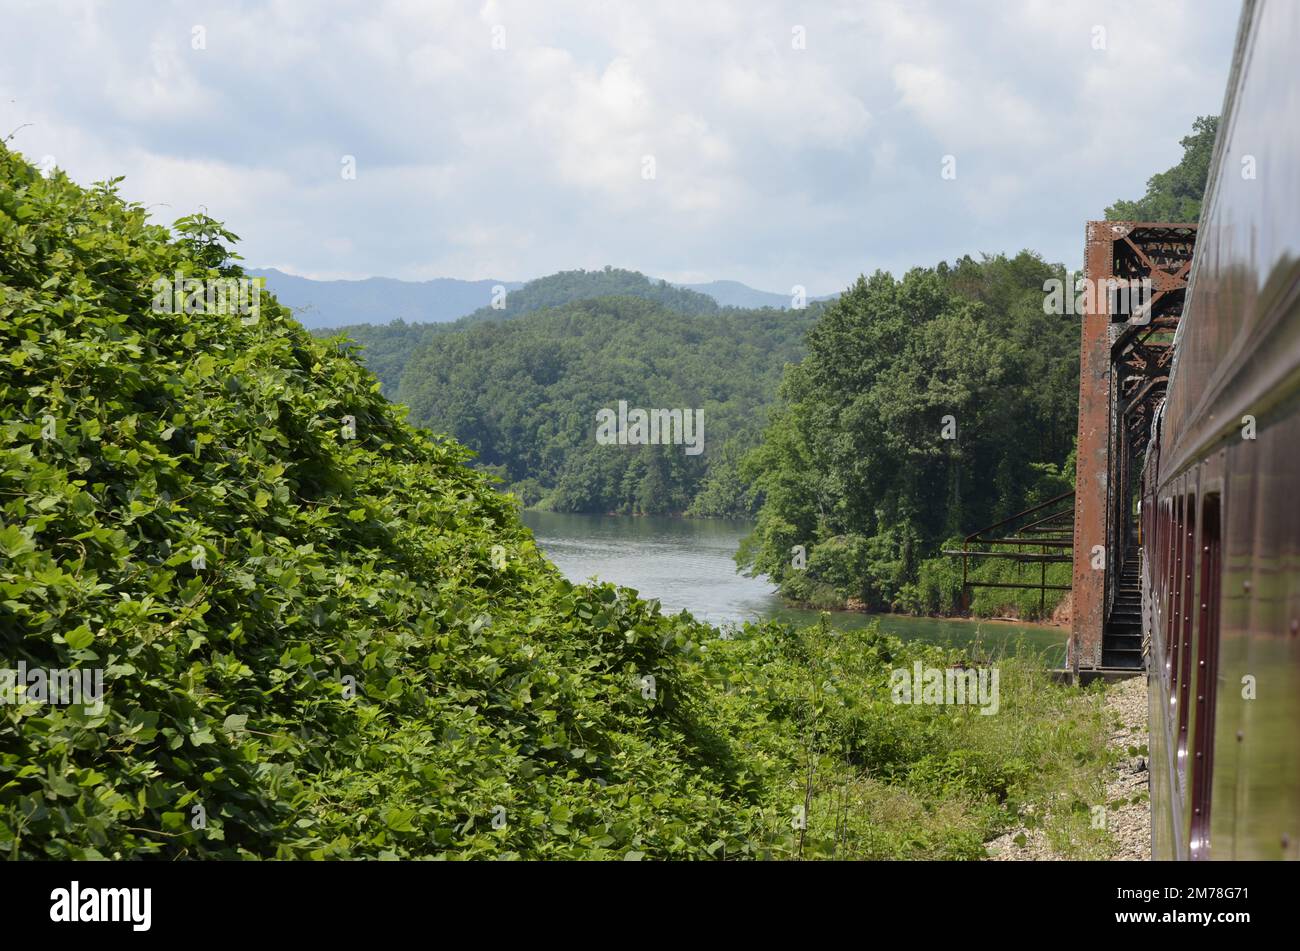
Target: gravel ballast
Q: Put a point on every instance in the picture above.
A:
(1129, 824)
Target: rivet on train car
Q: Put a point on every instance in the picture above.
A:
(1295, 626)
(1286, 841)
(1240, 736)
(1245, 586)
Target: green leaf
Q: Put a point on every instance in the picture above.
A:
(399, 820)
(79, 637)
(15, 542)
(235, 723)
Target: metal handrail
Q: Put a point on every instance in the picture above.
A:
(1040, 527)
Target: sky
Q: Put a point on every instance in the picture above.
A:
(774, 143)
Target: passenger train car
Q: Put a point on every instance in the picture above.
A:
(1220, 512)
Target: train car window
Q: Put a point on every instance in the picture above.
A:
(1167, 574)
(1187, 607)
(1161, 580)
(1172, 599)
(1207, 672)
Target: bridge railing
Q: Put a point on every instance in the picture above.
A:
(1042, 535)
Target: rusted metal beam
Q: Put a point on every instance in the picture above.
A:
(1052, 542)
(974, 536)
(1006, 584)
(1092, 456)
(1123, 366)
(1011, 556)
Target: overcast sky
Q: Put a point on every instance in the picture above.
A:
(772, 164)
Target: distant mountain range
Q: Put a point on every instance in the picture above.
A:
(379, 300)
(736, 294)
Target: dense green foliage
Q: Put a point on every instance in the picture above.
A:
(1175, 194)
(524, 395)
(925, 408)
(324, 635)
(565, 287)
(307, 635)
(879, 779)
(386, 348)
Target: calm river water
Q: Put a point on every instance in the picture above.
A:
(687, 563)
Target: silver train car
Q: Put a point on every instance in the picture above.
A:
(1220, 487)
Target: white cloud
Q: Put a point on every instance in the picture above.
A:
(774, 165)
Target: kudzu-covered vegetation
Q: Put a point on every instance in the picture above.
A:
(324, 635)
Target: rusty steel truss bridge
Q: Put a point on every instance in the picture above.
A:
(1135, 282)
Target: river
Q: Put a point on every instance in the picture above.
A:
(687, 564)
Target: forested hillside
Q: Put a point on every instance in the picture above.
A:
(386, 347)
(524, 394)
(927, 406)
(568, 286)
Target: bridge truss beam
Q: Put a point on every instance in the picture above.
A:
(1136, 274)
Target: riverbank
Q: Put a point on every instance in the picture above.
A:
(688, 564)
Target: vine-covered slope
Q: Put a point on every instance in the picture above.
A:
(321, 633)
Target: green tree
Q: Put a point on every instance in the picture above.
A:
(524, 393)
(919, 412)
(1175, 194)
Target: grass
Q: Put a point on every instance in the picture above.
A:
(938, 588)
(882, 780)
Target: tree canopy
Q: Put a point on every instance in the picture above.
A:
(1175, 195)
(927, 406)
(386, 348)
(524, 395)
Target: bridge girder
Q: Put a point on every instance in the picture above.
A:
(1125, 356)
